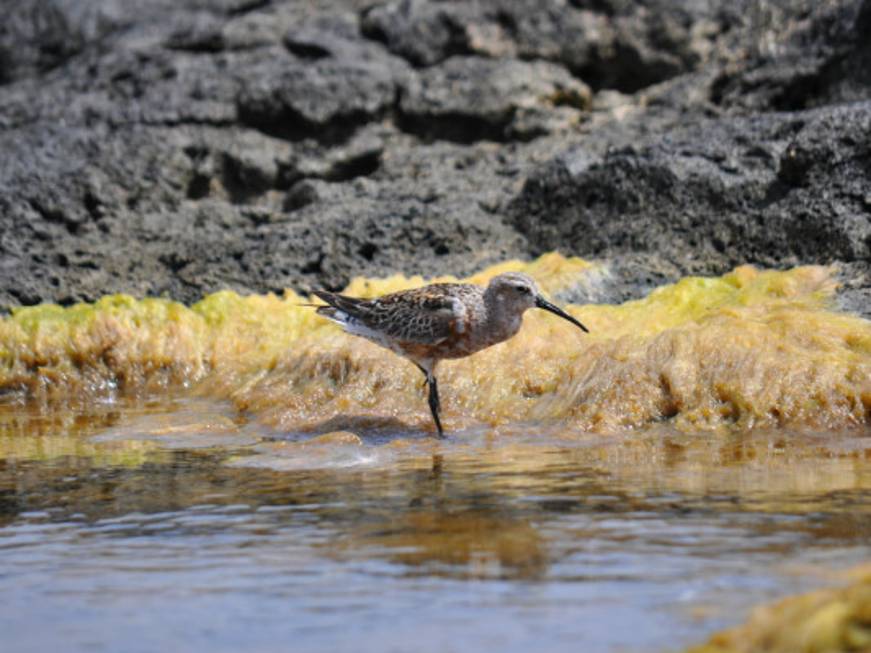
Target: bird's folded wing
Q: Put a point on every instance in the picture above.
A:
(425, 318)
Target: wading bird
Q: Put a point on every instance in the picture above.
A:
(440, 321)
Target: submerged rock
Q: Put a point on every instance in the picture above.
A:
(835, 620)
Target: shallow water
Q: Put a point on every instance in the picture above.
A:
(174, 525)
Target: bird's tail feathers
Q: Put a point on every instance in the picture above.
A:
(327, 311)
(350, 305)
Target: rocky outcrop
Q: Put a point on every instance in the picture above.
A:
(774, 189)
(468, 99)
(623, 45)
(177, 148)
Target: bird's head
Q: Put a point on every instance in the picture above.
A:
(516, 292)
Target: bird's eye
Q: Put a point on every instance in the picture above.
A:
(521, 289)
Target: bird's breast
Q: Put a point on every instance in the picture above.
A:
(469, 335)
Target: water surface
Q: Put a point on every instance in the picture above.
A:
(175, 525)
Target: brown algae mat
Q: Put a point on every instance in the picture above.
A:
(749, 349)
(827, 621)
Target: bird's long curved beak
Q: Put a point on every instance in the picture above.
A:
(541, 302)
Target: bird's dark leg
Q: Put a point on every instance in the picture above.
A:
(434, 403)
(425, 374)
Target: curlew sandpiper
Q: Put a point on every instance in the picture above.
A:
(440, 321)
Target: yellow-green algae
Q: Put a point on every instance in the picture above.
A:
(751, 348)
(142, 345)
(827, 621)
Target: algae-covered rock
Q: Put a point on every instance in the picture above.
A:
(747, 350)
(828, 621)
(123, 345)
(750, 349)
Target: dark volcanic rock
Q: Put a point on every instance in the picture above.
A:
(773, 189)
(608, 44)
(471, 98)
(823, 57)
(179, 147)
(325, 100)
(36, 37)
(423, 32)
